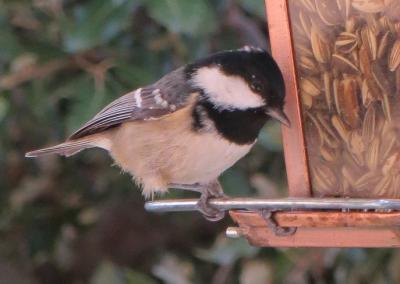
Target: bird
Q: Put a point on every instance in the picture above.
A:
(187, 128)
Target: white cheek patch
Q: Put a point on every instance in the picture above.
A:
(226, 91)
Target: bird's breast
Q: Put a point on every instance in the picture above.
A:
(170, 148)
(204, 157)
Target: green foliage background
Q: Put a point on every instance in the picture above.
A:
(79, 220)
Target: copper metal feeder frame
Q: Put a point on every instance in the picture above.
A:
(319, 222)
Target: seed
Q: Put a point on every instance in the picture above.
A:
(389, 142)
(344, 7)
(308, 4)
(398, 82)
(328, 153)
(380, 78)
(394, 57)
(303, 50)
(366, 94)
(349, 175)
(390, 163)
(324, 179)
(344, 65)
(392, 9)
(308, 65)
(365, 61)
(348, 102)
(346, 42)
(335, 88)
(311, 86)
(356, 147)
(369, 40)
(319, 47)
(305, 23)
(351, 24)
(328, 12)
(306, 99)
(327, 89)
(372, 154)
(383, 45)
(332, 138)
(373, 24)
(356, 142)
(384, 185)
(317, 126)
(368, 6)
(386, 108)
(387, 24)
(366, 181)
(340, 128)
(369, 124)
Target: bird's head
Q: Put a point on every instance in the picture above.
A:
(242, 79)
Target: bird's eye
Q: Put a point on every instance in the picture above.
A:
(256, 87)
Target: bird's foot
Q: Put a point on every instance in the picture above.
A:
(267, 215)
(208, 191)
(212, 190)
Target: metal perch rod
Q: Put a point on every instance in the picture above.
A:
(280, 204)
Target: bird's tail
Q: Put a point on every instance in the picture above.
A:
(66, 149)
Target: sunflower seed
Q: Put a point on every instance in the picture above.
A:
(384, 186)
(311, 86)
(368, 6)
(324, 179)
(306, 99)
(348, 102)
(308, 65)
(372, 154)
(344, 65)
(394, 57)
(368, 180)
(368, 38)
(308, 4)
(340, 128)
(319, 47)
(383, 44)
(328, 12)
(389, 163)
(346, 42)
(369, 124)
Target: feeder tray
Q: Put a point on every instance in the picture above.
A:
(340, 61)
(318, 222)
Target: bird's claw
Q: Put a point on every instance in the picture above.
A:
(209, 212)
(214, 190)
(274, 226)
(208, 191)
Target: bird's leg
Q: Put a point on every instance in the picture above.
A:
(196, 187)
(208, 191)
(274, 226)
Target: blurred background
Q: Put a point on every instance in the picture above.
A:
(79, 220)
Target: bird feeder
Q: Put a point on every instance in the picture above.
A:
(341, 64)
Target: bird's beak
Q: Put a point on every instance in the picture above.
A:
(279, 115)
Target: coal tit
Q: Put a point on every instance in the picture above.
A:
(184, 130)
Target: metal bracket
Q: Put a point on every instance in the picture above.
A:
(268, 216)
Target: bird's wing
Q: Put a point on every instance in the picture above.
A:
(167, 95)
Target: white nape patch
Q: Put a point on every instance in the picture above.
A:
(138, 97)
(226, 92)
